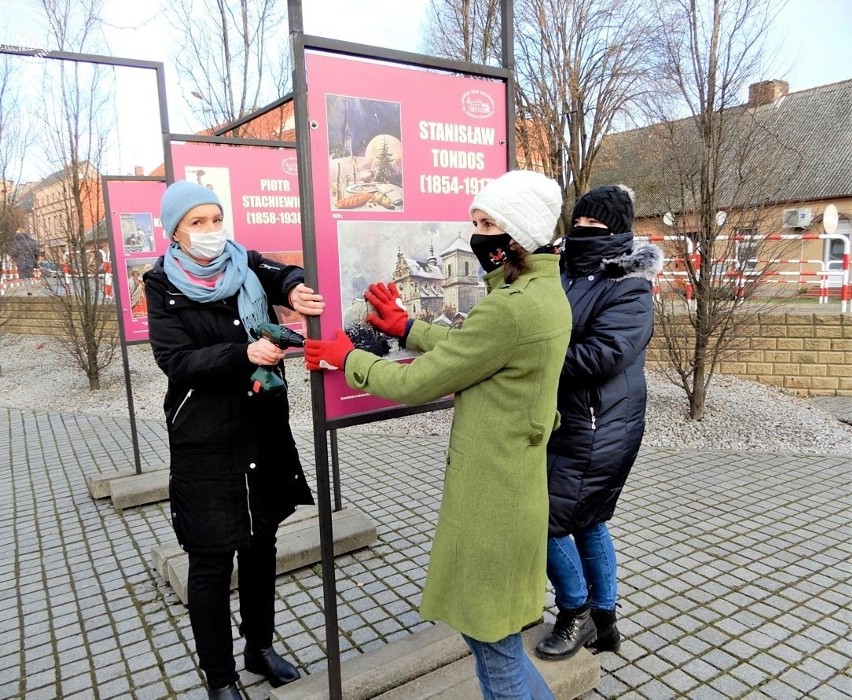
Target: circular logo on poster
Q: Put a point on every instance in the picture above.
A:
(477, 104)
(290, 165)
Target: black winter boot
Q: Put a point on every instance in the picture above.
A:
(609, 639)
(229, 692)
(268, 663)
(573, 630)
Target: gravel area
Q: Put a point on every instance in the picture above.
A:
(740, 415)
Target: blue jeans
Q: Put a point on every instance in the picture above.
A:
(581, 568)
(505, 672)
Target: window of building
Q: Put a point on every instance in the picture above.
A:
(747, 249)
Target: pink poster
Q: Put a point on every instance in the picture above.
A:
(397, 155)
(137, 242)
(259, 191)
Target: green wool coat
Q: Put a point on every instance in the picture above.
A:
(486, 575)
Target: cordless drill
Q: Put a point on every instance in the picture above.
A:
(263, 378)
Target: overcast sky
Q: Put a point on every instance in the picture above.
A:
(813, 39)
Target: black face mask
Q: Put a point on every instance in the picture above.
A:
(491, 251)
(586, 231)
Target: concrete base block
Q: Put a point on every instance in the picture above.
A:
(371, 674)
(101, 485)
(177, 575)
(148, 487)
(161, 554)
(298, 545)
(436, 664)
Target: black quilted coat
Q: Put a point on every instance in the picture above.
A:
(602, 388)
(234, 469)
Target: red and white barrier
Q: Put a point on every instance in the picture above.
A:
(741, 276)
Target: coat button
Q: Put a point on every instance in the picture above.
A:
(359, 377)
(171, 301)
(536, 438)
(237, 322)
(591, 278)
(252, 465)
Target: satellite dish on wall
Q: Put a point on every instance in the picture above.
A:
(721, 218)
(830, 219)
(669, 219)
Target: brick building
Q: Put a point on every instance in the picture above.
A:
(785, 170)
(53, 217)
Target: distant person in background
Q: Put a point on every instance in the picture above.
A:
(607, 277)
(234, 470)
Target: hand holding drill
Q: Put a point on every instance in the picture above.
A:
(264, 379)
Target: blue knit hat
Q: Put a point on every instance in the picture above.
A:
(179, 198)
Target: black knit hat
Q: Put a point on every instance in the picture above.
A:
(610, 204)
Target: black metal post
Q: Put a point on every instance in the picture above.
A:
(508, 57)
(332, 639)
(335, 472)
(128, 385)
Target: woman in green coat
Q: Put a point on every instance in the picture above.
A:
(486, 575)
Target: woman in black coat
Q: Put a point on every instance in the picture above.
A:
(234, 470)
(607, 277)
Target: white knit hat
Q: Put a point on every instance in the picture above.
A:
(523, 203)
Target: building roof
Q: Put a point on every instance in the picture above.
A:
(458, 244)
(423, 269)
(801, 151)
(85, 167)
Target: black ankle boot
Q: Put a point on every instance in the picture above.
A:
(573, 630)
(268, 663)
(229, 692)
(609, 639)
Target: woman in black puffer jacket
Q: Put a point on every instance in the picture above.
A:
(607, 277)
(234, 470)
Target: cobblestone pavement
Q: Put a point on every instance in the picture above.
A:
(839, 406)
(734, 570)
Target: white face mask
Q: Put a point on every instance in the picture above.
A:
(206, 246)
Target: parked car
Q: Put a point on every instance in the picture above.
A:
(50, 269)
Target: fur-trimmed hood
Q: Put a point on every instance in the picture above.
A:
(645, 261)
(619, 256)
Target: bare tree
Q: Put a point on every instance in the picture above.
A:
(465, 30)
(13, 143)
(581, 64)
(234, 55)
(712, 172)
(76, 107)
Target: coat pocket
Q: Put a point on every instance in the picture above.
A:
(200, 423)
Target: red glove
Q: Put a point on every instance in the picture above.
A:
(328, 354)
(391, 316)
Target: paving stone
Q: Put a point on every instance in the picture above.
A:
(658, 690)
(729, 686)
(751, 556)
(679, 680)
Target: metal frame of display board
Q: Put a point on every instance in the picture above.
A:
(159, 71)
(125, 360)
